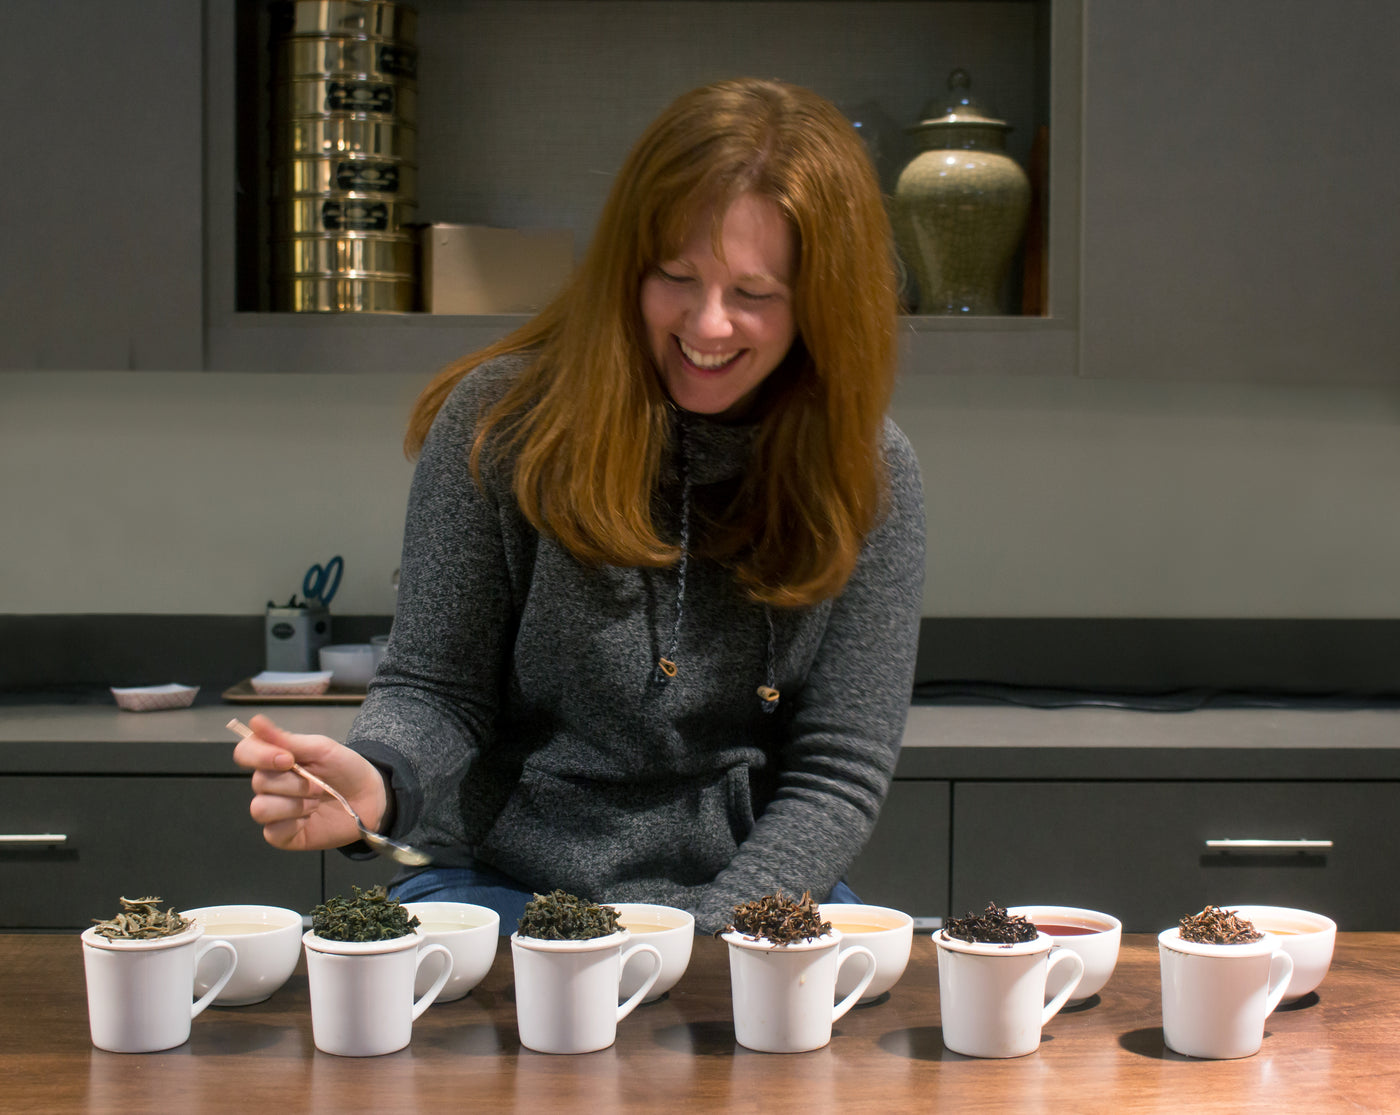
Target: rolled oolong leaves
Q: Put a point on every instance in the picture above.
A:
(371, 915)
(994, 926)
(780, 920)
(140, 919)
(1214, 926)
(559, 916)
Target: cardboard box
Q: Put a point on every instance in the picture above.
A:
(473, 269)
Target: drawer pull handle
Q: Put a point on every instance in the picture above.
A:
(34, 838)
(1281, 845)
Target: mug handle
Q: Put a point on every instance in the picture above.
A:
(206, 947)
(626, 1008)
(1280, 972)
(436, 989)
(1059, 956)
(850, 1000)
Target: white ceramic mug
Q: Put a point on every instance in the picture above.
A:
(468, 931)
(1095, 936)
(267, 940)
(783, 993)
(362, 1002)
(1307, 937)
(992, 997)
(141, 993)
(1215, 998)
(671, 930)
(886, 932)
(566, 991)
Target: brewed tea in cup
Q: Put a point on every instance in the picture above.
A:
(1095, 936)
(889, 935)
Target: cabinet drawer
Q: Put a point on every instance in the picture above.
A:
(187, 839)
(905, 862)
(1138, 849)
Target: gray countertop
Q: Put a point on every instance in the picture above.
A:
(940, 741)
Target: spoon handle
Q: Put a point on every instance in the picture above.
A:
(242, 729)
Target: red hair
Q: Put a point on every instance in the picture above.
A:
(587, 423)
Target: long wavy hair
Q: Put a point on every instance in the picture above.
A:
(587, 424)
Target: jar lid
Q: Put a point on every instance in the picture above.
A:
(958, 106)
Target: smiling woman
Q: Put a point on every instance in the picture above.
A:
(719, 317)
(663, 562)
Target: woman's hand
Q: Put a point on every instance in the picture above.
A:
(296, 814)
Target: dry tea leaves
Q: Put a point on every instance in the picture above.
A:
(994, 926)
(141, 920)
(371, 915)
(1214, 926)
(780, 920)
(559, 916)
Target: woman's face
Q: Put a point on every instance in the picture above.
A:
(719, 324)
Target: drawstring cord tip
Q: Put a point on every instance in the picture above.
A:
(665, 670)
(769, 696)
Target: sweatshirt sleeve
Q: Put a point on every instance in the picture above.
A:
(845, 731)
(431, 709)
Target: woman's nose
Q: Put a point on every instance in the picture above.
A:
(710, 315)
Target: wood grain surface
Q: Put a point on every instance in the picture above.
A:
(1338, 1049)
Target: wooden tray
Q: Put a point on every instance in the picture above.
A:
(244, 694)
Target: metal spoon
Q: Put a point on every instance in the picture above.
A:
(379, 843)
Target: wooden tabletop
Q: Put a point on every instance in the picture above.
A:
(1336, 1050)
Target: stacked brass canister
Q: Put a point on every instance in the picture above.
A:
(344, 172)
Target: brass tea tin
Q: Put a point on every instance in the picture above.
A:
(390, 256)
(307, 215)
(378, 19)
(349, 176)
(346, 96)
(339, 294)
(345, 135)
(344, 179)
(371, 59)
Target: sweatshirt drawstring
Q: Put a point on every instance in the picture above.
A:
(666, 665)
(767, 693)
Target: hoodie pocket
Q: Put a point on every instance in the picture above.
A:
(741, 817)
(583, 835)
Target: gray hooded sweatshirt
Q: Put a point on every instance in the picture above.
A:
(525, 726)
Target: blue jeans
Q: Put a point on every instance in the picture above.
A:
(485, 887)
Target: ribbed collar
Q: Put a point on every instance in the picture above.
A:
(714, 451)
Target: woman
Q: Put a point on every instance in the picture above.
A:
(663, 557)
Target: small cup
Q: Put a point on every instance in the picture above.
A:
(468, 931)
(362, 1001)
(1215, 998)
(140, 993)
(351, 664)
(267, 940)
(1307, 937)
(783, 993)
(992, 997)
(671, 930)
(886, 932)
(566, 991)
(1094, 936)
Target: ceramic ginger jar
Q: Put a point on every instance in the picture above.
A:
(960, 205)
